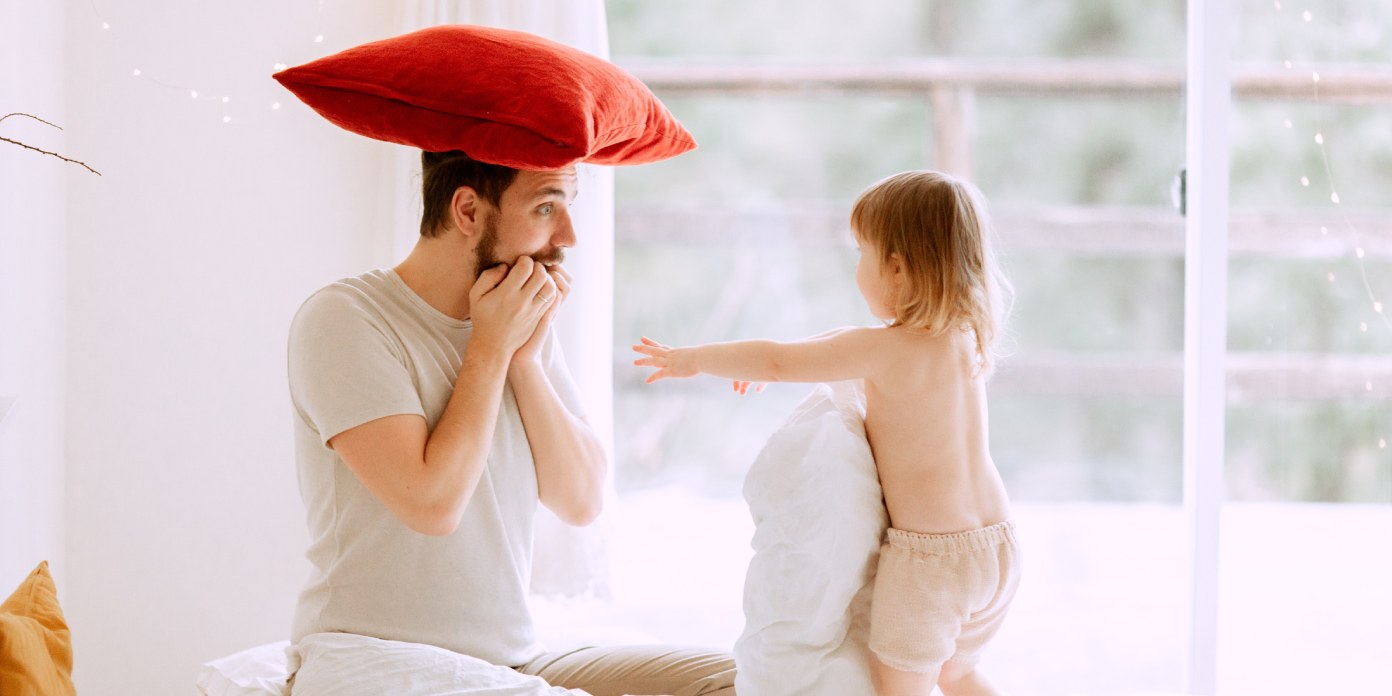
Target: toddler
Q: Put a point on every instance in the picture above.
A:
(948, 567)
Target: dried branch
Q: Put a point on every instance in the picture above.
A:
(35, 149)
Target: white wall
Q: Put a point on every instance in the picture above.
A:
(32, 282)
(186, 261)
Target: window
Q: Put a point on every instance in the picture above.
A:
(1071, 118)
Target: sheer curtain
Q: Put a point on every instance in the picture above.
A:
(569, 562)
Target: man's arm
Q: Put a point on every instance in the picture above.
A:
(570, 461)
(426, 478)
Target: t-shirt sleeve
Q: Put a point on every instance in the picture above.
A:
(346, 367)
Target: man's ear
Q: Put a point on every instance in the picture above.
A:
(464, 210)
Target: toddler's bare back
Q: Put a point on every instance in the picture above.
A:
(926, 420)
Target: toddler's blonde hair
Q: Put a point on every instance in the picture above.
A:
(938, 226)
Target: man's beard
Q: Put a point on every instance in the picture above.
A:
(484, 253)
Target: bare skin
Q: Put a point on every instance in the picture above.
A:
(426, 478)
(926, 421)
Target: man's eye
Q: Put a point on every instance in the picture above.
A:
(546, 209)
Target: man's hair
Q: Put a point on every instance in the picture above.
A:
(444, 172)
(938, 226)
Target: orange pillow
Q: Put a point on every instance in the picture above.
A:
(502, 96)
(35, 645)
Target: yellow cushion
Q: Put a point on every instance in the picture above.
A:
(35, 646)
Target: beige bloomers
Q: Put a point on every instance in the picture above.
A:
(941, 597)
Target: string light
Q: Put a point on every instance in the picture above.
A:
(194, 93)
(1353, 233)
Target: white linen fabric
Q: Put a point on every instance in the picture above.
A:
(341, 664)
(819, 518)
(258, 671)
(368, 347)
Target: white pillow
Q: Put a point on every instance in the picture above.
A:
(819, 517)
(258, 671)
(343, 664)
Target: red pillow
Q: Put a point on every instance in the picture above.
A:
(502, 96)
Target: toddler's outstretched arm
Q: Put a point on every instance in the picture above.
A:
(827, 357)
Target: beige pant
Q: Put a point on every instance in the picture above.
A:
(941, 597)
(638, 670)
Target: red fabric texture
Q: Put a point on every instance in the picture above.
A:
(502, 96)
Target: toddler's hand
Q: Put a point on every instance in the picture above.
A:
(669, 361)
(742, 388)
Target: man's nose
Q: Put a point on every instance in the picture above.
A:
(565, 235)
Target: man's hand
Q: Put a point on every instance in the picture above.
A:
(506, 304)
(531, 350)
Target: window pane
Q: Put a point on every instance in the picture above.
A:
(747, 237)
(1305, 558)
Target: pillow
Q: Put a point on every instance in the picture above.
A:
(259, 671)
(344, 664)
(819, 516)
(502, 96)
(35, 645)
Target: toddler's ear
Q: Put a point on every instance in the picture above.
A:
(895, 266)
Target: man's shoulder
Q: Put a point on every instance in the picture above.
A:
(355, 298)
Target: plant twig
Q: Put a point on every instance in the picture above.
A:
(36, 118)
(46, 152)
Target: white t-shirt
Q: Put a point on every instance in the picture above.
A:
(368, 347)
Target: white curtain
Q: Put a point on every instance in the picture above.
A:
(569, 562)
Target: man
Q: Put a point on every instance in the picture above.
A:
(434, 411)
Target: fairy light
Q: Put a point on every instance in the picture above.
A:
(1348, 227)
(193, 92)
